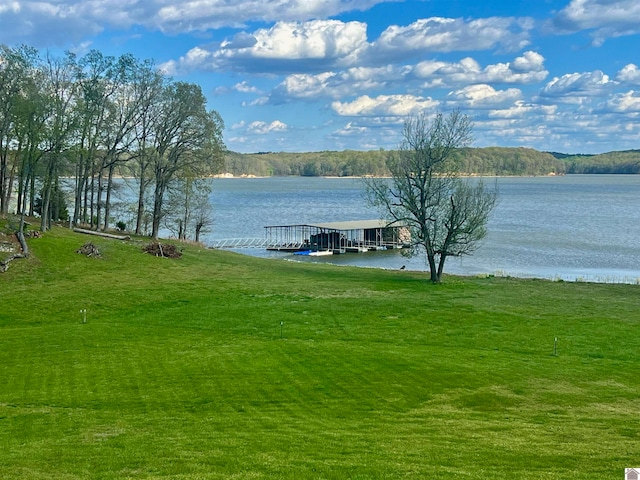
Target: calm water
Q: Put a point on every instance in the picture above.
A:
(573, 227)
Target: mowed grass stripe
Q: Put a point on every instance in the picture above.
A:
(183, 370)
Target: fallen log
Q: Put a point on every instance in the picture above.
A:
(4, 266)
(102, 234)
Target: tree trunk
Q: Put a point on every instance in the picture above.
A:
(107, 203)
(47, 190)
(433, 268)
(157, 208)
(92, 203)
(10, 180)
(32, 193)
(99, 200)
(3, 174)
(441, 266)
(140, 212)
(22, 185)
(80, 183)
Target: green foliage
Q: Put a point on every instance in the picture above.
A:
(58, 206)
(470, 161)
(180, 370)
(627, 162)
(327, 163)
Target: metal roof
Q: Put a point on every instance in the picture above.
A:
(350, 225)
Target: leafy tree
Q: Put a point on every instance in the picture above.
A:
(188, 209)
(61, 91)
(97, 84)
(446, 215)
(15, 70)
(187, 137)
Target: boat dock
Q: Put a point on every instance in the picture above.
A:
(337, 237)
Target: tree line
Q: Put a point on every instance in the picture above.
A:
(622, 162)
(469, 161)
(92, 118)
(488, 161)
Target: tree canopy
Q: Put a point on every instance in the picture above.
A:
(93, 118)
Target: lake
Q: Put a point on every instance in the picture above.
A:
(574, 227)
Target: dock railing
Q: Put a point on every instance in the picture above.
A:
(240, 243)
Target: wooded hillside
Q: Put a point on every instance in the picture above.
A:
(472, 161)
(612, 162)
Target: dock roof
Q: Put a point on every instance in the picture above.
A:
(350, 225)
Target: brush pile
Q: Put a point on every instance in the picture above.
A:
(162, 250)
(90, 250)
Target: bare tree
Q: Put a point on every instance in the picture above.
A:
(446, 215)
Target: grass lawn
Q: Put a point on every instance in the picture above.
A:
(217, 365)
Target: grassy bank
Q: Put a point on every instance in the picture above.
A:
(217, 365)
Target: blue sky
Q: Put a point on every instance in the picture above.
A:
(309, 75)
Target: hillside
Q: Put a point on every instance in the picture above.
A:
(472, 161)
(625, 162)
(479, 161)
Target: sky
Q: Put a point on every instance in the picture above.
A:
(312, 75)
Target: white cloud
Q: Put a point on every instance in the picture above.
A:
(286, 46)
(10, 7)
(625, 102)
(350, 130)
(528, 68)
(203, 15)
(607, 18)
(263, 128)
(244, 87)
(46, 22)
(384, 105)
(529, 62)
(573, 86)
(485, 96)
(194, 59)
(303, 86)
(438, 34)
(337, 84)
(521, 110)
(316, 39)
(629, 75)
(42, 23)
(321, 45)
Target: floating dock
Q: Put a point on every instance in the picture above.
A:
(337, 237)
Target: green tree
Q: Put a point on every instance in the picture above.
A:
(15, 69)
(61, 91)
(188, 210)
(187, 137)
